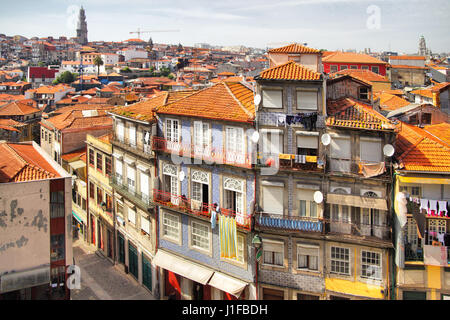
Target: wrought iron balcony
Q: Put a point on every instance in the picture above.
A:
(358, 168)
(140, 199)
(141, 149)
(291, 162)
(290, 223)
(358, 229)
(206, 153)
(197, 208)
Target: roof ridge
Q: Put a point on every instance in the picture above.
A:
(236, 99)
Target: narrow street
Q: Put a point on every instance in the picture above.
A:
(101, 280)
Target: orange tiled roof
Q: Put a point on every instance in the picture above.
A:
(351, 57)
(74, 154)
(418, 150)
(22, 162)
(440, 87)
(441, 131)
(142, 110)
(288, 71)
(222, 101)
(294, 48)
(423, 92)
(349, 113)
(17, 108)
(74, 119)
(364, 75)
(391, 102)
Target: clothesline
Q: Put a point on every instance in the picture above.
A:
(431, 206)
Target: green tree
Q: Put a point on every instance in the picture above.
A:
(41, 64)
(98, 62)
(164, 71)
(171, 76)
(65, 77)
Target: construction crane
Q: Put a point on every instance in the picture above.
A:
(151, 31)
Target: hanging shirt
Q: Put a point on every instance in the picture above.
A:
(443, 206)
(424, 204)
(433, 207)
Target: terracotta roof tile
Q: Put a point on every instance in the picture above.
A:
(222, 101)
(22, 162)
(418, 150)
(288, 71)
(17, 108)
(351, 57)
(423, 92)
(294, 48)
(390, 102)
(364, 75)
(348, 113)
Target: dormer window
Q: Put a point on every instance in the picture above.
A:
(363, 93)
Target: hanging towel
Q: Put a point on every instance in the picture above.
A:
(213, 219)
(228, 237)
(440, 237)
(433, 207)
(443, 207)
(372, 169)
(424, 204)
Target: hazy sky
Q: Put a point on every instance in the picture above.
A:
(394, 25)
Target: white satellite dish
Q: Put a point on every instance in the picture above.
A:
(388, 150)
(255, 137)
(257, 99)
(181, 176)
(318, 197)
(326, 139)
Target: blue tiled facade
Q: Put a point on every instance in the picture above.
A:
(217, 172)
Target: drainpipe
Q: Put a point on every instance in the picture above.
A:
(88, 214)
(392, 260)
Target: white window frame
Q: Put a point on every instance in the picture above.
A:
(201, 138)
(131, 186)
(306, 248)
(200, 236)
(281, 251)
(131, 215)
(238, 186)
(172, 230)
(234, 145)
(173, 134)
(377, 274)
(132, 134)
(145, 225)
(340, 263)
(271, 105)
(301, 106)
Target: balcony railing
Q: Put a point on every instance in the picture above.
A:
(197, 208)
(206, 153)
(289, 223)
(141, 199)
(132, 145)
(354, 167)
(358, 229)
(291, 162)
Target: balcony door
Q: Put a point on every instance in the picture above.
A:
(234, 198)
(200, 190)
(171, 183)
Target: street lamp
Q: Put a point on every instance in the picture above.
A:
(257, 244)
